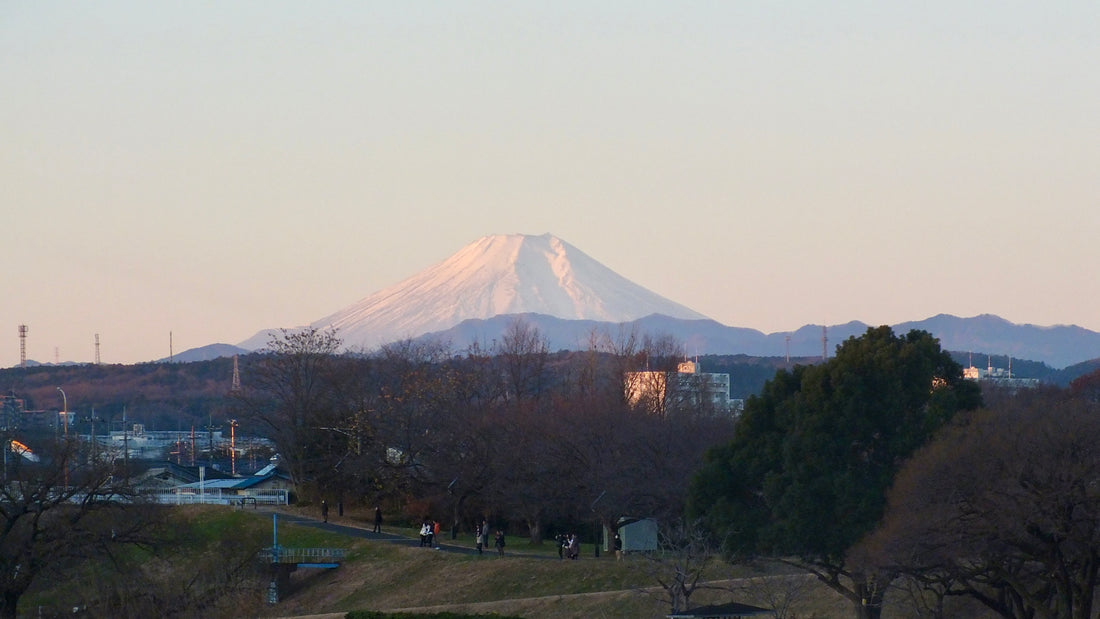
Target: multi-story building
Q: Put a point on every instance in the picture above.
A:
(688, 388)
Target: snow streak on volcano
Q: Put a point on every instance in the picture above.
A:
(495, 275)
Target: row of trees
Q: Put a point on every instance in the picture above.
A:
(511, 431)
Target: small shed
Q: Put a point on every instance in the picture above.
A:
(733, 610)
(638, 534)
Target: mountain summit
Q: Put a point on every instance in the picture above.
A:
(495, 275)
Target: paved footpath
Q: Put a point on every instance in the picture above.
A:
(361, 532)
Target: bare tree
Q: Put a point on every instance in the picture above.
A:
(524, 352)
(296, 397)
(685, 555)
(64, 507)
(1003, 508)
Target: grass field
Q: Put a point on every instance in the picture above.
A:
(386, 576)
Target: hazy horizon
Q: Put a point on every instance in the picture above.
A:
(213, 169)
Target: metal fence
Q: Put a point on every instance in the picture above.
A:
(280, 554)
(218, 496)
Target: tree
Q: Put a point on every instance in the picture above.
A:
(65, 507)
(297, 398)
(524, 352)
(684, 555)
(1003, 507)
(806, 474)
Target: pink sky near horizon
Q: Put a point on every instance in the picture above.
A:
(213, 169)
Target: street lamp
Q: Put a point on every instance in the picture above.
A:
(65, 411)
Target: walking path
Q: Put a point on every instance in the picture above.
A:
(351, 529)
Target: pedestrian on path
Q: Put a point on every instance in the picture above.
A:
(377, 519)
(500, 543)
(324, 510)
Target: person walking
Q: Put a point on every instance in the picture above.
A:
(324, 510)
(500, 543)
(479, 533)
(377, 519)
(618, 547)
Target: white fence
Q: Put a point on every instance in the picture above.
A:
(216, 496)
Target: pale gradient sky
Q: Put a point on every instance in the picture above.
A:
(210, 169)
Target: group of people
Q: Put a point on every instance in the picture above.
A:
(428, 530)
(481, 536)
(569, 545)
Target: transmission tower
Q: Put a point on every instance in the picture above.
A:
(97, 349)
(824, 343)
(22, 346)
(236, 386)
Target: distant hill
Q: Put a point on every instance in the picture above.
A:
(206, 353)
(1058, 347)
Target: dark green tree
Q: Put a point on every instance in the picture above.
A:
(806, 474)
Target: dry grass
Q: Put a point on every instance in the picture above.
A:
(383, 576)
(389, 577)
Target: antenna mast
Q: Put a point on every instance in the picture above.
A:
(824, 343)
(22, 346)
(97, 349)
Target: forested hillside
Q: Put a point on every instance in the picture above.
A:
(171, 396)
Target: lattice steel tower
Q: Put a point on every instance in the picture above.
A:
(236, 386)
(22, 346)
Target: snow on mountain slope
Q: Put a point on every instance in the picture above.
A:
(500, 274)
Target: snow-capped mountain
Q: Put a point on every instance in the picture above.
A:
(495, 275)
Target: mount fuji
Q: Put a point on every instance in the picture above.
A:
(494, 276)
(475, 294)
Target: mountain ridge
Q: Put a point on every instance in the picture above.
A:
(473, 294)
(1059, 346)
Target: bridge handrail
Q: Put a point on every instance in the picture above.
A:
(281, 554)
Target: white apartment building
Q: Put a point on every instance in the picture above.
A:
(686, 388)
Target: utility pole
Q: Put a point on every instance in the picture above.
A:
(125, 446)
(233, 445)
(64, 412)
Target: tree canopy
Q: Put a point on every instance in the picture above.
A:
(1003, 507)
(807, 472)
